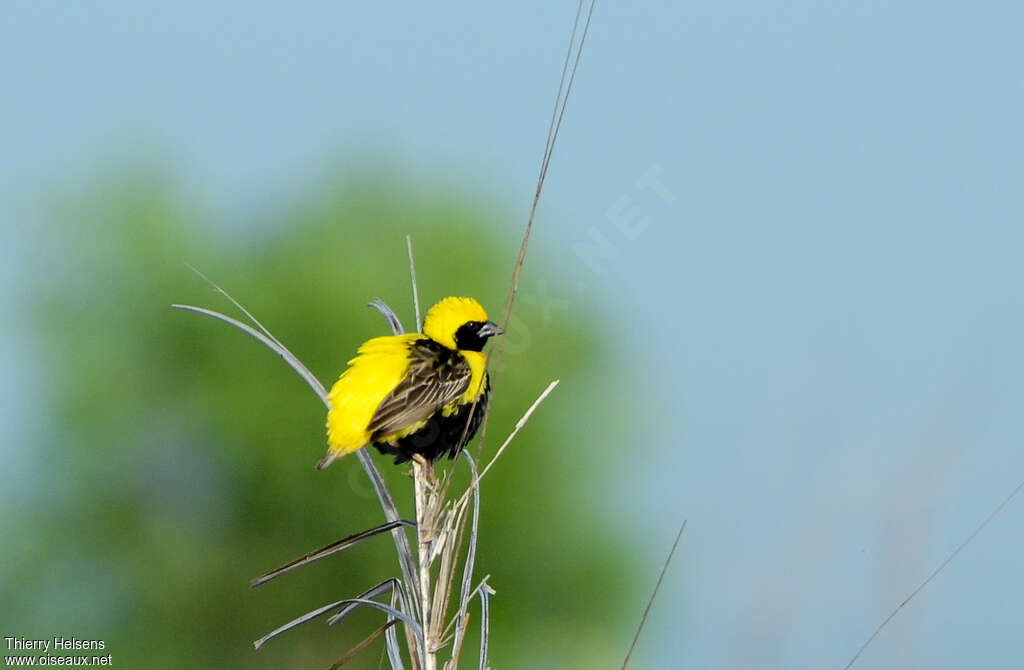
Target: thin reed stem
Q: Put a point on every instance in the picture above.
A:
(654, 594)
(422, 476)
(935, 573)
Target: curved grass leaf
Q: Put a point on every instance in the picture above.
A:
(373, 592)
(467, 571)
(328, 550)
(485, 618)
(389, 314)
(390, 611)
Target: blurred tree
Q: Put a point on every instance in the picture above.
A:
(179, 453)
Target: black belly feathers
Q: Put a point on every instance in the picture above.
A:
(442, 434)
(437, 376)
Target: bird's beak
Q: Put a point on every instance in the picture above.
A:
(490, 329)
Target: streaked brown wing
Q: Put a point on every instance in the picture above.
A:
(437, 375)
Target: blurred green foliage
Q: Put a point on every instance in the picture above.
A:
(179, 453)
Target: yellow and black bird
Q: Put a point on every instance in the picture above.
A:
(412, 394)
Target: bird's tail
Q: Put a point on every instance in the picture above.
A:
(328, 458)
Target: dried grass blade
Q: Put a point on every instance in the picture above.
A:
(270, 342)
(461, 617)
(455, 529)
(515, 431)
(328, 550)
(485, 622)
(366, 642)
(415, 290)
(405, 558)
(467, 571)
(442, 549)
(390, 611)
(561, 103)
(561, 84)
(234, 302)
(391, 640)
(391, 585)
(308, 616)
(389, 314)
(373, 592)
(568, 88)
(654, 594)
(934, 574)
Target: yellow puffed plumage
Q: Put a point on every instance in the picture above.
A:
(413, 394)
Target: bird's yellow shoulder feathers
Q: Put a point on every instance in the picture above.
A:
(380, 364)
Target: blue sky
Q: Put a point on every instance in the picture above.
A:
(827, 302)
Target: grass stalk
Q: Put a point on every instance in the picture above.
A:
(422, 484)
